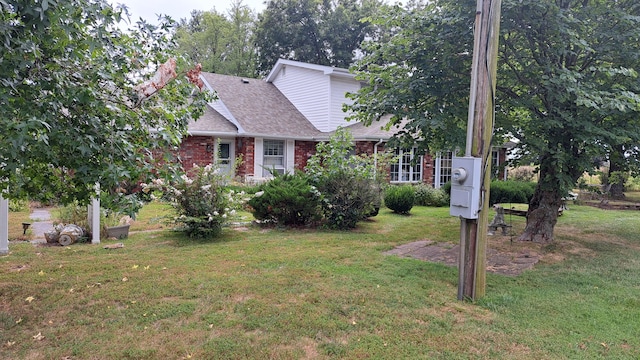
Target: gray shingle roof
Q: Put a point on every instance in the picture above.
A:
(259, 108)
(372, 132)
(212, 122)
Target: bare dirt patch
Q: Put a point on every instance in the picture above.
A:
(505, 256)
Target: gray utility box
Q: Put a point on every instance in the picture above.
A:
(466, 180)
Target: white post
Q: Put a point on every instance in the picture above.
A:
(95, 221)
(4, 226)
(95, 217)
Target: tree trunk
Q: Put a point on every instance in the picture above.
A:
(616, 191)
(543, 211)
(616, 166)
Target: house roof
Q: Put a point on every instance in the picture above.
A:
(373, 132)
(254, 108)
(326, 70)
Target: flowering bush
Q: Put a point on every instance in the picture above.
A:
(202, 201)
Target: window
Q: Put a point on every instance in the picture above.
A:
(408, 168)
(273, 157)
(224, 158)
(224, 154)
(495, 163)
(443, 168)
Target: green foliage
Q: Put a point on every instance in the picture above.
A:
(74, 213)
(350, 184)
(522, 173)
(201, 201)
(221, 43)
(287, 199)
(400, 199)
(511, 192)
(18, 205)
(71, 113)
(568, 84)
(314, 31)
(420, 66)
(347, 199)
(427, 195)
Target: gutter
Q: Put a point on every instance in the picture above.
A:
(375, 156)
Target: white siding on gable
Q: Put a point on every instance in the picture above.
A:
(339, 87)
(308, 90)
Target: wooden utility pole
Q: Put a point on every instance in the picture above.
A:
(473, 232)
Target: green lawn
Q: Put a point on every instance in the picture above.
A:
(309, 294)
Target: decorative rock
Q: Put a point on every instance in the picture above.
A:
(69, 234)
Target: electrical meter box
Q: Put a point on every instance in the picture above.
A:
(466, 180)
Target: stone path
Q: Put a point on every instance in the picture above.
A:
(447, 253)
(41, 223)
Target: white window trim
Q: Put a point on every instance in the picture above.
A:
(411, 171)
(436, 178)
(286, 146)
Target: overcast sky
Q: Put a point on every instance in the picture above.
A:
(179, 9)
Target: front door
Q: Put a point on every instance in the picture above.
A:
(225, 156)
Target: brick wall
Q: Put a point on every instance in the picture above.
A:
(428, 169)
(199, 150)
(196, 150)
(245, 147)
(303, 151)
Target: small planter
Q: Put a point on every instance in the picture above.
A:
(118, 232)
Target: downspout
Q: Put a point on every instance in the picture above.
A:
(375, 156)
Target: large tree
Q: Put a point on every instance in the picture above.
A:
(566, 63)
(323, 32)
(220, 42)
(77, 105)
(562, 77)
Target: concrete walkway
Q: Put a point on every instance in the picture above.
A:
(41, 223)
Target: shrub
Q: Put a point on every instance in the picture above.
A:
(511, 192)
(427, 195)
(349, 185)
(347, 199)
(522, 173)
(202, 202)
(400, 199)
(17, 205)
(287, 199)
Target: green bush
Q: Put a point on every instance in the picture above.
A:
(511, 192)
(400, 199)
(202, 201)
(287, 199)
(350, 185)
(427, 195)
(17, 205)
(347, 199)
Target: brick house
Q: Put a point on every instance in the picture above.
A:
(276, 122)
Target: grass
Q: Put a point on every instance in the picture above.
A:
(16, 218)
(289, 294)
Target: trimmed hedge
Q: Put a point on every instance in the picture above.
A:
(511, 192)
(400, 199)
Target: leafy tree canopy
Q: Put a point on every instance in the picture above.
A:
(567, 82)
(220, 42)
(323, 32)
(72, 112)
